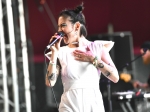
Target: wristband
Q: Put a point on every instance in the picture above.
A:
(52, 63)
(95, 61)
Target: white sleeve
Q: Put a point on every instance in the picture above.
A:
(108, 44)
(48, 55)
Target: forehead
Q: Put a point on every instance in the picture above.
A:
(62, 19)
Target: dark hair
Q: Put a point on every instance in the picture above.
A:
(76, 15)
(146, 45)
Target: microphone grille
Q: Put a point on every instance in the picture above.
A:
(145, 49)
(60, 33)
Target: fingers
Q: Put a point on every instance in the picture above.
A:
(78, 51)
(53, 37)
(56, 45)
(80, 57)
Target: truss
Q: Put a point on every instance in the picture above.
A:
(14, 71)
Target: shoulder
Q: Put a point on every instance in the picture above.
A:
(106, 44)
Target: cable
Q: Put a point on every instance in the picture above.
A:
(50, 81)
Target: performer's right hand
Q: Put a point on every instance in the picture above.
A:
(56, 46)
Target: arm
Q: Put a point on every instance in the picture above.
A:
(52, 71)
(108, 69)
(138, 84)
(107, 66)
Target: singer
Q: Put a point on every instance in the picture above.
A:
(81, 63)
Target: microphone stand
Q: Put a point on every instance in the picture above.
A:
(127, 64)
(109, 94)
(109, 82)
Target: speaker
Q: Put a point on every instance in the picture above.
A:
(122, 51)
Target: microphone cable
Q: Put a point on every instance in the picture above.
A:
(50, 81)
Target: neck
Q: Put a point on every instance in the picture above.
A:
(82, 41)
(73, 44)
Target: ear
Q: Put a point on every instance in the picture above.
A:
(77, 25)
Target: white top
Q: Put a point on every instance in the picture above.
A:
(81, 79)
(73, 70)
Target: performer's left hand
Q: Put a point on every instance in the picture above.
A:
(87, 56)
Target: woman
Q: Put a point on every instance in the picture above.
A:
(81, 63)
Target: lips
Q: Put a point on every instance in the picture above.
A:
(65, 37)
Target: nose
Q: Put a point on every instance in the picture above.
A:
(141, 51)
(59, 29)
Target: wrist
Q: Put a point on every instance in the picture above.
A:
(95, 61)
(52, 63)
(54, 57)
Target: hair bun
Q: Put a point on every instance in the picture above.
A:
(78, 9)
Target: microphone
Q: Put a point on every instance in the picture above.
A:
(59, 35)
(145, 49)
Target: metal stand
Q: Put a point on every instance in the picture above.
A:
(109, 95)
